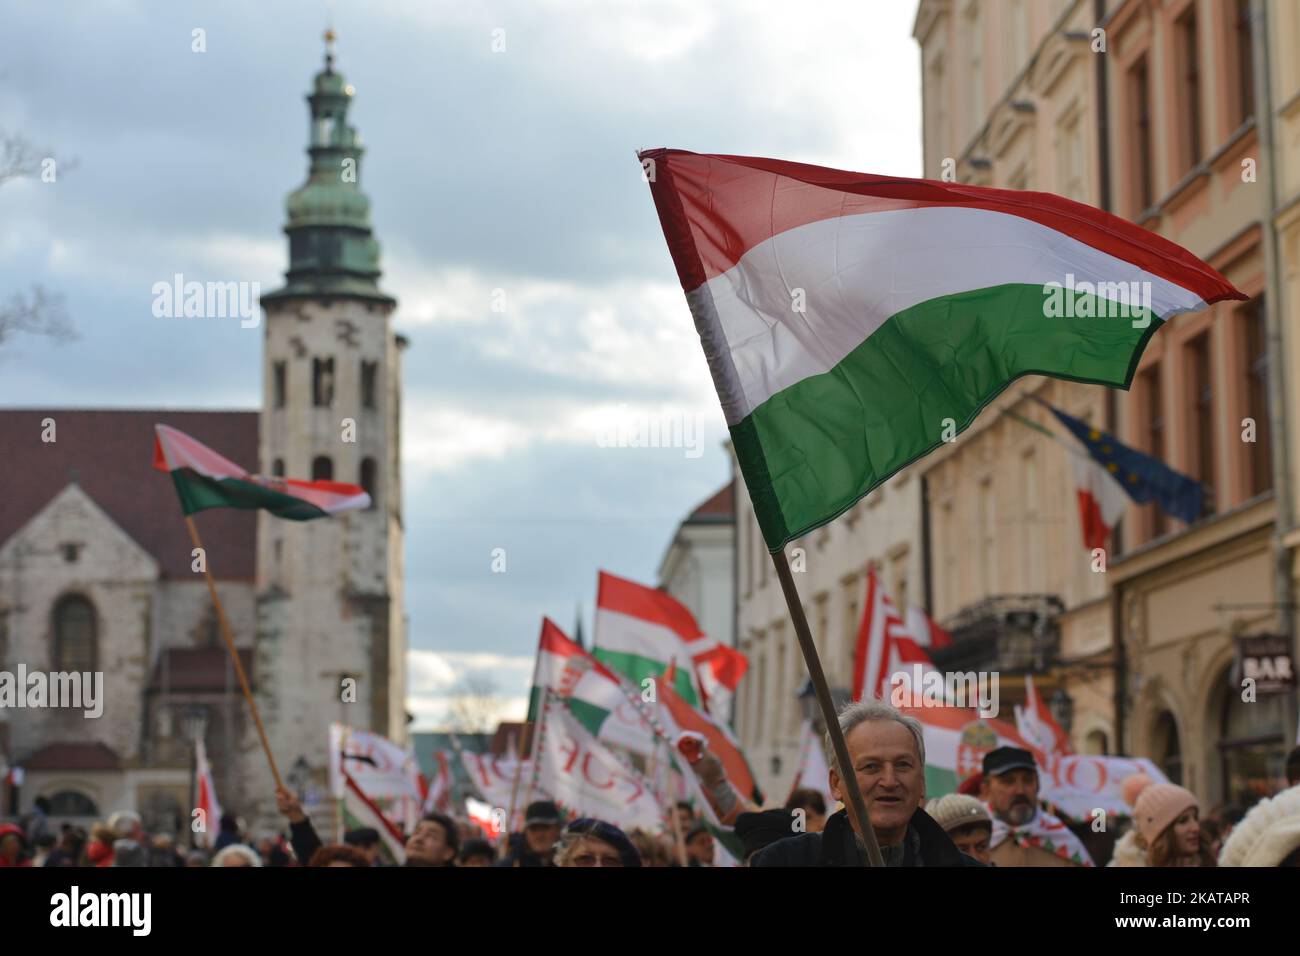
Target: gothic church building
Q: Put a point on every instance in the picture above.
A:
(95, 559)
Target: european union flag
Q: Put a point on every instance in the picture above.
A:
(1142, 477)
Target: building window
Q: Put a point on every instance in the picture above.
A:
(1166, 747)
(1242, 98)
(322, 382)
(1143, 187)
(71, 551)
(1096, 743)
(278, 373)
(988, 536)
(1190, 87)
(1251, 744)
(369, 377)
(1255, 356)
(368, 480)
(277, 468)
(71, 803)
(1200, 408)
(1153, 408)
(74, 634)
(322, 468)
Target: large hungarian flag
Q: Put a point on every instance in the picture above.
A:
(854, 322)
(640, 630)
(204, 479)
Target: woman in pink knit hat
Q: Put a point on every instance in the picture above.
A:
(1166, 817)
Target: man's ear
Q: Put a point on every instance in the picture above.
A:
(833, 779)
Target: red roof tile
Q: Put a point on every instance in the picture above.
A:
(111, 453)
(73, 755)
(722, 505)
(198, 668)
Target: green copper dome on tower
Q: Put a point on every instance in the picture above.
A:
(332, 248)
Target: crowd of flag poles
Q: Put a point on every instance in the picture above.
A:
(845, 319)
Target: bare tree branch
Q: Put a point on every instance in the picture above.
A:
(41, 313)
(473, 706)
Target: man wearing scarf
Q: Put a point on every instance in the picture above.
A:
(1024, 834)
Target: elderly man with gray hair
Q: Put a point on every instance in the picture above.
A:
(887, 749)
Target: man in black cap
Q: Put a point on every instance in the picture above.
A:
(535, 846)
(365, 839)
(1024, 834)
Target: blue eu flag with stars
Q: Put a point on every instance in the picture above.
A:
(1142, 477)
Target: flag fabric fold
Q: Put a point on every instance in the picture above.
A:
(205, 479)
(852, 322)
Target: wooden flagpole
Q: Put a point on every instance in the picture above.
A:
(848, 780)
(234, 655)
(514, 793)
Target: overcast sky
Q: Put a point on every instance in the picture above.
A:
(511, 170)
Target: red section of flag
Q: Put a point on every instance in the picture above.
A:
(688, 718)
(648, 604)
(726, 664)
(715, 208)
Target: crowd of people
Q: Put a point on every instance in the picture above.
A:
(996, 819)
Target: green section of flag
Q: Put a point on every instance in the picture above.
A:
(199, 492)
(811, 451)
(636, 668)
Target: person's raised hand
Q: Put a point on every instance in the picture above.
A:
(288, 805)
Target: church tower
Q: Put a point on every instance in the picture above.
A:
(331, 642)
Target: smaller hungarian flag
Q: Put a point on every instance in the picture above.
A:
(205, 795)
(204, 479)
(886, 645)
(640, 629)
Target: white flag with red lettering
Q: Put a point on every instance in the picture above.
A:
(585, 777)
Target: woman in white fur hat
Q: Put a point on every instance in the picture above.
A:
(1269, 834)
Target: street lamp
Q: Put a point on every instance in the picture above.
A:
(1062, 707)
(812, 711)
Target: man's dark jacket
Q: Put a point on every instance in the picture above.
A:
(520, 855)
(926, 844)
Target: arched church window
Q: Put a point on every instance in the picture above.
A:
(279, 372)
(72, 803)
(74, 634)
(277, 468)
(322, 468)
(368, 472)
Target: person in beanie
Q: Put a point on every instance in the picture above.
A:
(887, 750)
(1024, 834)
(967, 823)
(536, 845)
(1268, 835)
(1165, 816)
(589, 842)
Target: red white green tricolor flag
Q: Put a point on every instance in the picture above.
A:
(595, 695)
(851, 321)
(640, 630)
(204, 479)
